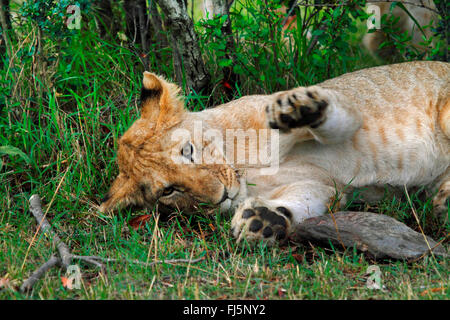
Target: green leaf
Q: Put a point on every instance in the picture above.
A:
(402, 6)
(225, 63)
(13, 151)
(317, 32)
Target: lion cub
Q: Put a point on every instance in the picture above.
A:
(381, 126)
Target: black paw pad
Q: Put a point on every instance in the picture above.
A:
(308, 116)
(273, 125)
(306, 111)
(255, 225)
(288, 120)
(272, 217)
(248, 213)
(267, 232)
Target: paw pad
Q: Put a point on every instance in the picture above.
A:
(255, 225)
(297, 108)
(263, 223)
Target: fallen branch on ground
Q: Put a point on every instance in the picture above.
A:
(65, 255)
(379, 235)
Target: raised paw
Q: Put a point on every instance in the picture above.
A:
(256, 221)
(297, 108)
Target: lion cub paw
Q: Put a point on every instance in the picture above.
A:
(297, 108)
(256, 221)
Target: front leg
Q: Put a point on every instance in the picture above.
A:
(329, 115)
(272, 217)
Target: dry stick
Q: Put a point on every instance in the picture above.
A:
(418, 222)
(421, 230)
(45, 214)
(36, 275)
(435, 246)
(66, 256)
(337, 231)
(63, 249)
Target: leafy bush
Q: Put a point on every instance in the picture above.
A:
(268, 58)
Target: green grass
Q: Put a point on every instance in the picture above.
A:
(228, 271)
(68, 127)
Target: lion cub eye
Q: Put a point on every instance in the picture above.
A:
(168, 191)
(188, 151)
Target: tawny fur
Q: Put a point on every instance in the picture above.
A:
(425, 13)
(381, 126)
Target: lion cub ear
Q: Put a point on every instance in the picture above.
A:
(151, 92)
(159, 98)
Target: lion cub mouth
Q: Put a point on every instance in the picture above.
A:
(235, 195)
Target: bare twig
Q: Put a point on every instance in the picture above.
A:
(418, 222)
(44, 215)
(428, 252)
(36, 275)
(63, 249)
(66, 255)
(314, 40)
(430, 249)
(288, 13)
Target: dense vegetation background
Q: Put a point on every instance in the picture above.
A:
(67, 94)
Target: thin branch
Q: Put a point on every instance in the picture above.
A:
(37, 274)
(63, 249)
(315, 38)
(44, 215)
(66, 255)
(418, 222)
(431, 250)
(288, 13)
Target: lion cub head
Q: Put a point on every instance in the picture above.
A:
(157, 157)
